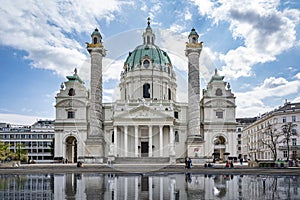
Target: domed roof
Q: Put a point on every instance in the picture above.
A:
(96, 32)
(147, 51)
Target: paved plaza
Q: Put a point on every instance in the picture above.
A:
(155, 169)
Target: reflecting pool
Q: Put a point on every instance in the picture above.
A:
(148, 186)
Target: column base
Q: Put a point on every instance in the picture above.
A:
(172, 159)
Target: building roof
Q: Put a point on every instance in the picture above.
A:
(193, 32)
(216, 77)
(147, 51)
(75, 77)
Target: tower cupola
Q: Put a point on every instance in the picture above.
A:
(148, 35)
(96, 37)
(193, 36)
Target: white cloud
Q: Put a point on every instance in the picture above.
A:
(18, 119)
(251, 103)
(265, 30)
(44, 29)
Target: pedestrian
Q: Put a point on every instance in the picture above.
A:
(241, 161)
(227, 164)
(186, 163)
(231, 164)
(190, 163)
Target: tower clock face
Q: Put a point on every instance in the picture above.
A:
(71, 92)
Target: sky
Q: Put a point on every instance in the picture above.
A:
(255, 44)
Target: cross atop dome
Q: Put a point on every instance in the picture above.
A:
(148, 21)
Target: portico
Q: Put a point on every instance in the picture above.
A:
(143, 140)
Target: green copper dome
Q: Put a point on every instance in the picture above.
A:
(147, 51)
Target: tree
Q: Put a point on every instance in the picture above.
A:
(271, 139)
(20, 153)
(288, 130)
(4, 151)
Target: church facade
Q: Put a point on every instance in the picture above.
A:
(146, 122)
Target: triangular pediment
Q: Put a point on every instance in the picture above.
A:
(143, 112)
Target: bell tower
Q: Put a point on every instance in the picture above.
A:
(95, 138)
(194, 136)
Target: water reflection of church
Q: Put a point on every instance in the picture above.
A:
(156, 186)
(146, 122)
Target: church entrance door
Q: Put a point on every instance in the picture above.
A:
(71, 149)
(144, 149)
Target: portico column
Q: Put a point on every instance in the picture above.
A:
(161, 188)
(150, 141)
(150, 188)
(116, 140)
(136, 139)
(161, 141)
(126, 188)
(136, 188)
(172, 151)
(125, 141)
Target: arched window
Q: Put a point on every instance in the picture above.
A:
(146, 92)
(71, 92)
(95, 40)
(169, 94)
(194, 40)
(146, 63)
(148, 39)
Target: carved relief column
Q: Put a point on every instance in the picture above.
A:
(150, 141)
(125, 141)
(161, 142)
(136, 140)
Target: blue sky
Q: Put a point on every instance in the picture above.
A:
(255, 44)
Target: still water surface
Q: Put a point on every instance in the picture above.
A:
(139, 187)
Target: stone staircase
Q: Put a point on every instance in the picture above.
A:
(142, 160)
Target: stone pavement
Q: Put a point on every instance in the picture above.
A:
(155, 169)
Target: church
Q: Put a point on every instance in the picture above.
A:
(146, 123)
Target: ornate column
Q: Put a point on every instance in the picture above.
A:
(116, 141)
(150, 141)
(194, 134)
(125, 141)
(161, 142)
(95, 136)
(136, 140)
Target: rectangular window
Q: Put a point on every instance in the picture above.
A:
(294, 141)
(285, 154)
(71, 114)
(293, 118)
(294, 154)
(176, 115)
(283, 119)
(219, 115)
(176, 136)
